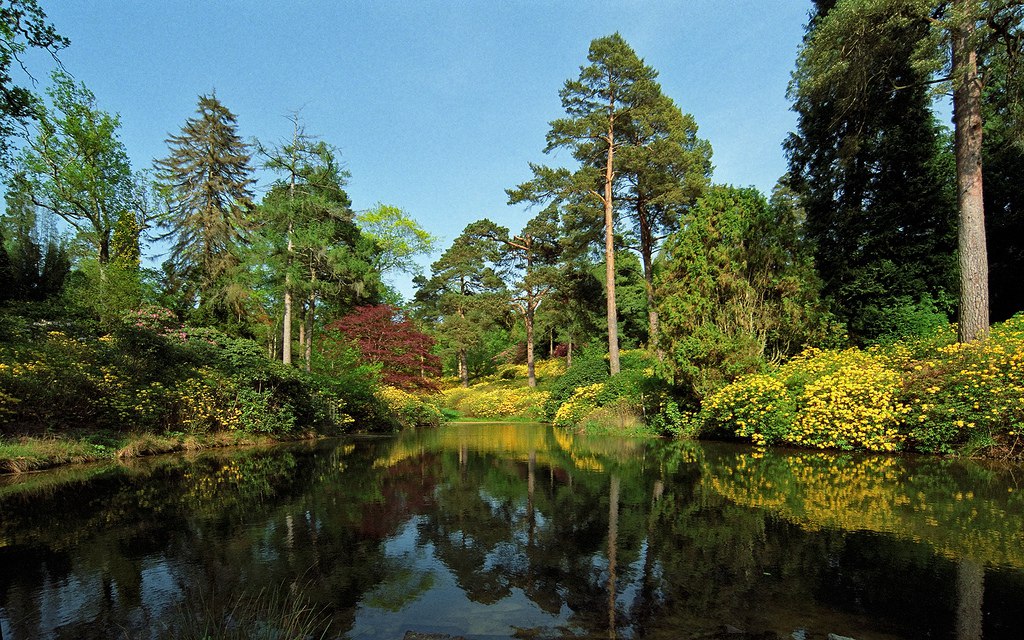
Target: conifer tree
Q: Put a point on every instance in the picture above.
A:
(847, 60)
(320, 252)
(207, 184)
(464, 294)
(639, 156)
(880, 207)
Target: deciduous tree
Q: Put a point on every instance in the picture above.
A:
(23, 24)
(386, 338)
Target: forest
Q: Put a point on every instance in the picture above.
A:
(871, 301)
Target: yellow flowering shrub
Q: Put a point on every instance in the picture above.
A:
(482, 401)
(580, 404)
(757, 407)
(974, 392)
(928, 394)
(409, 409)
(854, 407)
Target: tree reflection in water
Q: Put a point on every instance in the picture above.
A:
(520, 530)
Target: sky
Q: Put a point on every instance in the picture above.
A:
(434, 107)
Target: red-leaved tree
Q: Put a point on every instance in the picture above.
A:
(383, 337)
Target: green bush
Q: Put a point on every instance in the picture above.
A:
(588, 367)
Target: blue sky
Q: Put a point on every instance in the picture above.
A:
(435, 107)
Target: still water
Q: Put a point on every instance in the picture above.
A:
(501, 531)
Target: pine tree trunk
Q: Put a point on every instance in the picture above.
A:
(463, 368)
(609, 249)
(309, 332)
(531, 372)
(974, 312)
(286, 332)
(568, 354)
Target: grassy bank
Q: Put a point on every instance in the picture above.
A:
(26, 453)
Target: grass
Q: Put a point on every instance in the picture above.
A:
(277, 613)
(25, 454)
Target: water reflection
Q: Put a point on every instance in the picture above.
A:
(520, 531)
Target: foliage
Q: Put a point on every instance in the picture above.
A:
(410, 410)
(206, 183)
(464, 296)
(398, 237)
(588, 367)
(318, 254)
(76, 166)
(874, 177)
(578, 406)
(34, 260)
(384, 338)
(23, 24)
(154, 374)
(485, 401)
(736, 288)
(931, 395)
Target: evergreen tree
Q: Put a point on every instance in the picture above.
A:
(600, 106)
(1004, 198)
(207, 184)
(877, 195)
(665, 167)
(321, 253)
(737, 287)
(465, 294)
(529, 264)
(851, 54)
(35, 261)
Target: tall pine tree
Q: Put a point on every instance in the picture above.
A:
(207, 183)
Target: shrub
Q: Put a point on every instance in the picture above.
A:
(758, 407)
(927, 393)
(483, 401)
(410, 410)
(588, 368)
(582, 403)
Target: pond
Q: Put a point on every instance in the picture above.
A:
(501, 531)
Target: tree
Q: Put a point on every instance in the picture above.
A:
(874, 184)
(385, 338)
(207, 184)
(529, 260)
(1004, 199)
(665, 167)
(737, 287)
(34, 261)
(840, 63)
(464, 294)
(76, 167)
(310, 218)
(399, 238)
(22, 24)
(600, 105)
